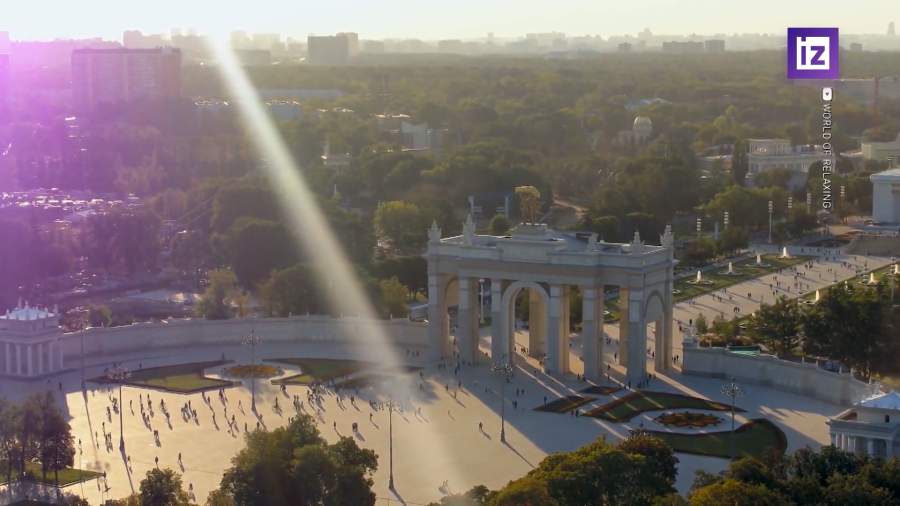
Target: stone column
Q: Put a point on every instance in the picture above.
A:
(59, 355)
(888, 448)
(871, 446)
(19, 369)
(833, 439)
(537, 324)
(637, 338)
(502, 340)
(553, 363)
(592, 332)
(8, 349)
(565, 328)
(467, 320)
(438, 322)
(623, 326)
(29, 370)
(40, 354)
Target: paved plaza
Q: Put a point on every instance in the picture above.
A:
(436, 435)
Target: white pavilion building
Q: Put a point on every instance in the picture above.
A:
(871, 427)
(30, 342)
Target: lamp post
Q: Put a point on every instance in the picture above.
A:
(120, 375)
(252, 340)
(771, 212)
(790, 203)
(504, 369)
(732, 391)
(390, 405)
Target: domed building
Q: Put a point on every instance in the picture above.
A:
(642, 128)
(640, 133)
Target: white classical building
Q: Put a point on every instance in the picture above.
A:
(886, 196)
(871, 427)
(547, 264)
(30, 342)
(881, 151)
(769, 154)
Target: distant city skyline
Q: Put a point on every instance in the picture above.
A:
(465, 19)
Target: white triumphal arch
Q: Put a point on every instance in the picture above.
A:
(547, 264)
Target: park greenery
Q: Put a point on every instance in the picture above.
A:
(36, 442)
(853, 323)
(549, 126)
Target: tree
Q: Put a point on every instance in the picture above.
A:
(499, 225)
(9, 424)
(701, 324)
(291, 291)
(658, 455)
(256, 247)
(529, 202)
(219, 295)
(526, 491)
(739, 165)
(162, 487)
(124, 239)
(847, 324)
(778, 325)
(736, 493)
(57, 447)
(403, 224)
(394, 296)
(294, 465)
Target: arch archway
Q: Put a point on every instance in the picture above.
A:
(538, 321)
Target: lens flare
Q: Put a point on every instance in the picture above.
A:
(312, 234)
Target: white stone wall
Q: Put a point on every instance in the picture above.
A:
(885, 205)
(804, 379)
(198, 332)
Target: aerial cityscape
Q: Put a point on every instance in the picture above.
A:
(432, 264)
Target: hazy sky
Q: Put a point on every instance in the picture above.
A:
(428, 19)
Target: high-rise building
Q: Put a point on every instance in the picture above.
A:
(4, 89)
(122, 75)
(352, 43)
(328, 49)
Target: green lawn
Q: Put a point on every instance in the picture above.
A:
(320, 369)
(754, 439)
(635, 403)
(564, 404)
(181, 378)
(67, 476)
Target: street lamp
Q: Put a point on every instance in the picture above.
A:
(790, 203)
(725, 220)
(252, 340)
(732, 391)
(505, 371)
(391, 405)
(120, 375)
(771, 212)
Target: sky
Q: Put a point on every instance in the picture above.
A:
(429, 20)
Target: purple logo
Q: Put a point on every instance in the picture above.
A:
(812, 53)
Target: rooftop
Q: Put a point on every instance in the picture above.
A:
(889, 400)
(27, 313)
(890, 174)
